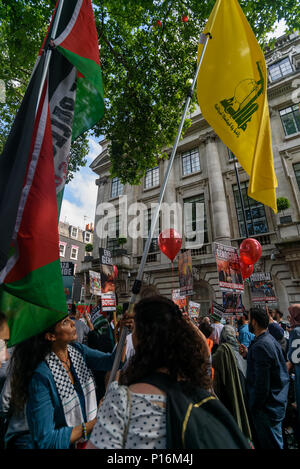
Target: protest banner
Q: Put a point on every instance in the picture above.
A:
(232, 303)
(194, 310)
(67, 271)
(228, 266)
(185, 273)
(262, 289)
(106, 271)
(179, 300)
(95, 283)
(217, 311)
(82, 308)
(108, 301)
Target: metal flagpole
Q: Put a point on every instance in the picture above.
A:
(138, 281)
(241, 198)
(49, 52)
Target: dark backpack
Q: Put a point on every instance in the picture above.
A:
(195, 418)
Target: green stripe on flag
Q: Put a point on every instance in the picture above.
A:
(89, 105)
(44, 302)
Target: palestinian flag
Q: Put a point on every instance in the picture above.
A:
(33, 168)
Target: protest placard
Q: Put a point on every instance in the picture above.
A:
(228, 266)
(262, 289)
(179, 300)
(95, 283)
(185, 273)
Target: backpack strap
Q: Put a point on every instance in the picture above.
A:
(188, 413)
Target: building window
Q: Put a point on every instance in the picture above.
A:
(190, 162)
(290, 118)
(193, 218)
(297, 173)
(62, 249)
(74, 253)
(231, 156)
(280, 69)
(255, 212)
(87, 237)
(74, 232)
(147, 226)
(152, 177)
(113, 233)
(116, 187)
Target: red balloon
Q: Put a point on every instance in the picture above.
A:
(250, 251)
(169, 242)
(115, 270)
(158, 23)
(246, 269)
(184, 18)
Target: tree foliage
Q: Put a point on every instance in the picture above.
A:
(145, 67)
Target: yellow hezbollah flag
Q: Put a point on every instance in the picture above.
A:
(232, 95)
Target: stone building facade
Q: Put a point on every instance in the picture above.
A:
(72, 244)
(204, 172)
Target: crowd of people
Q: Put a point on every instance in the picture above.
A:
(180, 384)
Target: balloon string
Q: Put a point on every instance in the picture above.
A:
(172, 275)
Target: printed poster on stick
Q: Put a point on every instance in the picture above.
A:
(108, 301)
(228, 266)
(95, 283)
(194, 309)
(179, 300)
(185, 273)
(262, 289)
(232, 303)
(106, 271)
(108, 287)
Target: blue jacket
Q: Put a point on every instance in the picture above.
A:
(245, 337)
(267, 380)
(44, 410)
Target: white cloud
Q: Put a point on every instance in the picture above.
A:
(80, 196)
(79, 202)
(95, 150)
(279, 30)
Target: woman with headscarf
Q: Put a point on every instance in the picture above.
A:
(229, 377)
(294, 355)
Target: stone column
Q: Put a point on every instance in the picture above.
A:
(220, 217)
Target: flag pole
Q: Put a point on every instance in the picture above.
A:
(204, 38)
(49, 52)
(241, 199)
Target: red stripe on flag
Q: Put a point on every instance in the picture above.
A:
(84, 32)
(38, 234)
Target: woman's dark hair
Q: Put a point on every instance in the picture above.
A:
(24, 360)
(260, 315)
(206, 329)
(166, 340)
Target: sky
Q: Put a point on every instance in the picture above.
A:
(80, 196)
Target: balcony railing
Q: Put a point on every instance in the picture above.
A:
(152, 257)
(205, 249)
(264, 239)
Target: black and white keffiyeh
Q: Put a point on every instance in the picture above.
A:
(66, 391)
